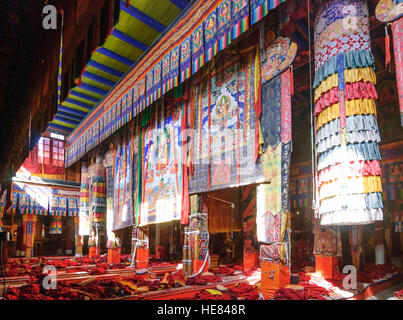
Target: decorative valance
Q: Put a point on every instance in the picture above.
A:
(44, 200)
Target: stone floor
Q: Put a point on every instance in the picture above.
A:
(388, 294)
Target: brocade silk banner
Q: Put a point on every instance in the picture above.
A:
(197, 49)
(210, 36)
(185, 59)
(224, 24)
(240, 18)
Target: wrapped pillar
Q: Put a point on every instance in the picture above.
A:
(69, 237)
(379, 243)
(98, 205)
(348, 171)
(250, 244)
(83, 221)
(28, 226)
(113, 248)
(78, 239)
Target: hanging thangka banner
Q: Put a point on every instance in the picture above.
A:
(123, 181)
(224, 114)
(197, 49)
(210, 36)
(240, 18)
(162, 166)
(185, 59)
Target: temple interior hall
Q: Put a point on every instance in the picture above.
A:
(201, 150)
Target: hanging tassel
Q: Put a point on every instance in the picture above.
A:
(387, 47)
(127, 3)
(78, 81)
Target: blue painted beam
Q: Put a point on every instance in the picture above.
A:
(102, 80)
(128, 39)
(181, 4)
(105, 68)
(115, 56)
(135, 13)
(84, 96)
(69, 115)
(66, 120)
(59, 129)
(78, 113)
(94, 89)
(79, 103)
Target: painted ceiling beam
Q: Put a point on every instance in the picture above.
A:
(115, 56)
(84, 96)
(79, 103)
(69, 115)
(79, 113)
(105, 68)
(66, 120)
(181, 4)
(101, 80)
(128, 39)
(94, 89)
(135, 13)
(60, 129)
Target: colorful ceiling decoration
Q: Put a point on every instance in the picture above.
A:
(140, 23)
(222, 22)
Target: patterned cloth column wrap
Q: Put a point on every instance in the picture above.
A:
(109, 161)
(78, 240)
(347, 136)
(98, 195)
(28, 226)
(84, 227)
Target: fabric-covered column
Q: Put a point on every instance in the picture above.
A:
(98, 202)
(28, 226)
(84, 229)
(250, 244)
(78, 239)
(347, 136)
